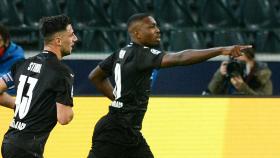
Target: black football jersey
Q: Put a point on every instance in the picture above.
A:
(132, 68)
(41, 81)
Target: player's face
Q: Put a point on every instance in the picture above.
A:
(68, 39)
(149, 33)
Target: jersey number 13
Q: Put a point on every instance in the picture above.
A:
(23, 100)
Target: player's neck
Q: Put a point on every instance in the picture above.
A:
(56, 51)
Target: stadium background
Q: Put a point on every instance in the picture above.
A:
(176, 127)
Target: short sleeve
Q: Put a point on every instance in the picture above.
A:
(149, 58)
(64, 88)
(107, 64)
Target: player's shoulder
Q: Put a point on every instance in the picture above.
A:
(60, 67)
(151, 50)
(54, 66)
(58, 70)
(18, 63)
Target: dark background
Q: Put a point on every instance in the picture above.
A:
(188, 80)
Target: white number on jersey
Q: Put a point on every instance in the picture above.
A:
(118, 87)
(23, 102)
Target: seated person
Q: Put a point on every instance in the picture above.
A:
(243, 76)
(9, 53)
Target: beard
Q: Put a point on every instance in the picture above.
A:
(65, 52)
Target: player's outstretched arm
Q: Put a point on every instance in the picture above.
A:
(193, 56)
(100, 79)
(5, 99)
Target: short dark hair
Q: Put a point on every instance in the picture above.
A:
(249, 53)
(4, 32)
(136, 17)
(52, 24)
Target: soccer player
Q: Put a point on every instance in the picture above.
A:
(117, 134)
(44, 91)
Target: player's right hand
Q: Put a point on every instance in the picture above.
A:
(235, 50)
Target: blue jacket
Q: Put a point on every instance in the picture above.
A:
(11, 55)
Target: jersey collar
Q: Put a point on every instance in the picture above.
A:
(49, 52)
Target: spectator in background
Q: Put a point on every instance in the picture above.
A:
(243, 76)
(9, 53)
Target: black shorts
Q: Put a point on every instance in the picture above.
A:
(11, 151)
(113, 139)
(19, 147)
(110, 150)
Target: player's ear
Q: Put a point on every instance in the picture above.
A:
(137, 34)
(58, 40)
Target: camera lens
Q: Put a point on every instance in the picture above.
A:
(234, 68)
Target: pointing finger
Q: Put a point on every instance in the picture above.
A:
(243, 47)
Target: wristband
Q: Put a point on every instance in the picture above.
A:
(7, 78)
